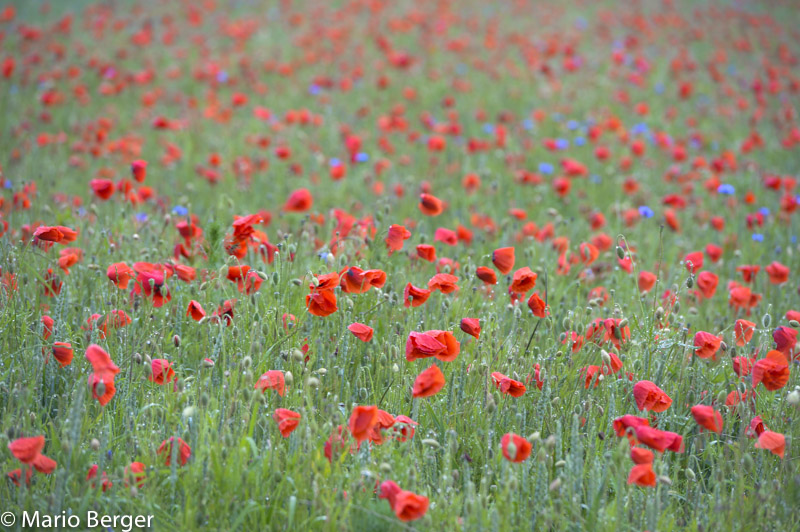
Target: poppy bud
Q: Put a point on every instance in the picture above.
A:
(395, 368)
(690, 474)
(721, 397)
(297, 355)
(432, 443)
(511, 449)
(665, 480)
(275, 278)
(385, 468)
(203, 286)
(100, 389)
(322, 372)
(312, 382)
(606, 357)
(247, 362)
(620, 253)
(179, 385)
(555, 485)
(794, 324)
(491, 406)
(298, 282)
(204, 400)
(550, 442)
(137, 358)
(95, 444)
(288, 378)
(690, 281)
(536, 436)
(766, 320)
(176, 340)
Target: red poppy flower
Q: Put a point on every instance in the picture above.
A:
(773, 371)
(693, 261)
(120, 274)
(778, 273)
(161, 371)
(486, 275)
(785, 340)
(29, 452)
(101, 381)
(471, 326)
(394, 239)
(748, 272)
(524, 280)
(426, 252)
(707, 283)
(361, 422)
(287, 421)
(361, 331)
(166, 450)
(755, 428)
(444, 282)
(62, 352)
(706, 345)
(135, 472)
(106, 483)
(660, 440)
(646, 281)
(537, 305)
(641, 456)
(774, 442)
(321, 303)
(507, 385)
(102, 188)
(515, 448)
(651, 397)
(195, 310)
(440, 344)
(298, 201)
(414, 297)
(708, 418)
(430, 205)
(273, 379)
(743, 331)
(503, 259)
(354, 280)
(139, 170)
(446, 236)
(407, 506)
(642, 475)
(428, 383)
(622, 424)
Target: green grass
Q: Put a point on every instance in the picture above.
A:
(242, 473)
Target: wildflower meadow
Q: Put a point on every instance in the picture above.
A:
(399, 265)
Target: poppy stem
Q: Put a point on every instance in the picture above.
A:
(540, 320)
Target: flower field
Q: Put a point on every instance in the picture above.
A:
(374, 265)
